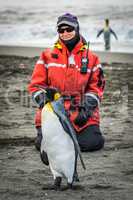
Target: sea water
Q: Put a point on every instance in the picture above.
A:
(33, 22)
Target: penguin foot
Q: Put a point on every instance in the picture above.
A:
(76, 178)
(69, 186)
(57, 183)
(56, 186)
(44, 158)
(63, 188)
(51, 187)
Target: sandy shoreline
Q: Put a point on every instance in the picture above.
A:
(109, 173)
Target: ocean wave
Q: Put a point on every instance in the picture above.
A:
(38, 23)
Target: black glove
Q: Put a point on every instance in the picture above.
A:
(39, 98)
(82, 118)
(50, 92)
(86, 111)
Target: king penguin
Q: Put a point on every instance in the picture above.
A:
(59, 147)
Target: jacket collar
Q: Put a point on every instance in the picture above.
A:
(80, 46)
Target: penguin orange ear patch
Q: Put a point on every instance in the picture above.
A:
(57, 96)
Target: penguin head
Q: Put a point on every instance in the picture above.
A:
(52, 94)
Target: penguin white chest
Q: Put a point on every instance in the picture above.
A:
(58, 145)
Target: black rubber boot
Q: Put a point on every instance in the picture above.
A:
(38, 138)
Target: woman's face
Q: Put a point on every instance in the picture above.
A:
(66, 32)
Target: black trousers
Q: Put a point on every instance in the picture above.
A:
(90, 139)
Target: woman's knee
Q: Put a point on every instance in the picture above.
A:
(92, 146)
(99, 143)
(91, 139)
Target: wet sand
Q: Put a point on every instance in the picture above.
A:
(109, 173)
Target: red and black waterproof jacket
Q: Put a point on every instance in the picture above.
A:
(61, 69)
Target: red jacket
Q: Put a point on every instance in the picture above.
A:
(59, 68)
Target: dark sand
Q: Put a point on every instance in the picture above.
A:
(109, 174)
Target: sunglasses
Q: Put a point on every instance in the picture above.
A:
(67, 29)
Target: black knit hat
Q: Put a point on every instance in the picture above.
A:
(68, 19)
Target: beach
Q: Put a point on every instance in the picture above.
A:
(109, 172)
(27, 27)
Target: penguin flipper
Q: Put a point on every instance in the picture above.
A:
(44, 157)
(43, 153)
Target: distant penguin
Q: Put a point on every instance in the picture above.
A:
(59, 147)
